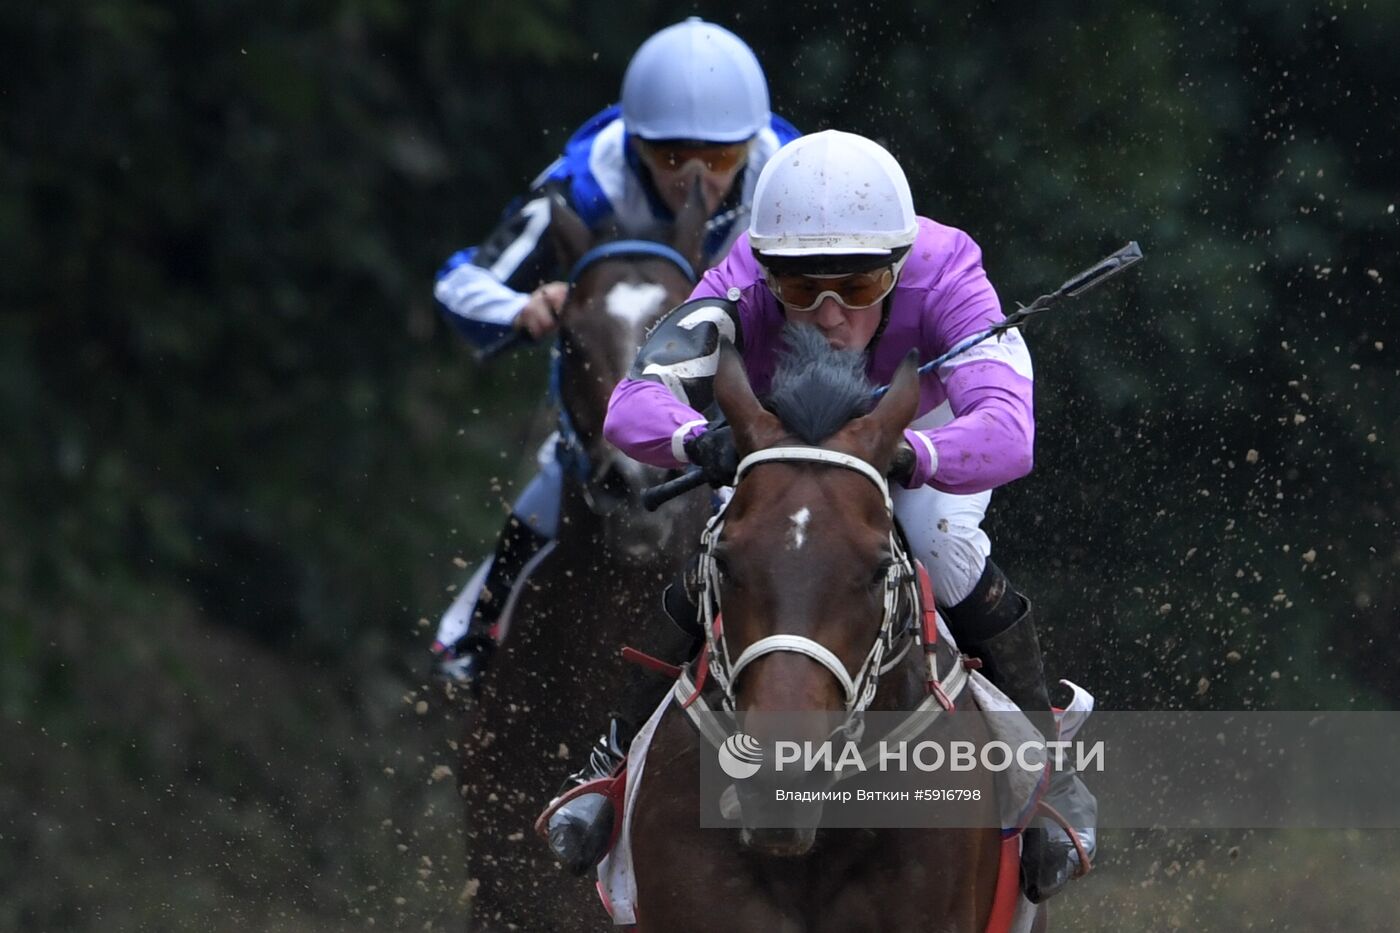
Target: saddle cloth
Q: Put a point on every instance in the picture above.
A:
(617, 884)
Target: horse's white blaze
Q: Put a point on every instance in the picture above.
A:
(634, 306)
(633, 303)
(800, 518)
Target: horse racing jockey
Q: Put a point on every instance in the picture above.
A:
(694, 109)
(834, 242)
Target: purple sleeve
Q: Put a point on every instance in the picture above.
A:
(643, 421)
(990, 440)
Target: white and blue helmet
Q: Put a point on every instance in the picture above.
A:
(695, 81)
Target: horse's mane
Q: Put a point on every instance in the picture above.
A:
(816, 389)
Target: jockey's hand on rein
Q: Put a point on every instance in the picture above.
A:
(902, 466)
(713, 452)
(540, 315)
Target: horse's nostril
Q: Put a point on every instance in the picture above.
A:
(778, 843)
(616, 483)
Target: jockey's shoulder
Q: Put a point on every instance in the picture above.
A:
(940, 252)
(588, 131)
(578, 148)
(784, 130)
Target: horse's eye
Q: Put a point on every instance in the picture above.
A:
(882, 572)
(722, 568)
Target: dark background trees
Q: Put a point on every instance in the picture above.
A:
(241, 452)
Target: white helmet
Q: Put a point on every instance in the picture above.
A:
(695, 80)
(832, 194)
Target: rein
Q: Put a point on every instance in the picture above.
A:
(891, 644)
(630, 249)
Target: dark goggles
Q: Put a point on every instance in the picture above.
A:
(853, 290)
(670, 155)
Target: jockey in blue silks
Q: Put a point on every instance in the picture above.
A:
(694, 108)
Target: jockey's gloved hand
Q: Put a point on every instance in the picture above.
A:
(902, 466)
(713, 452)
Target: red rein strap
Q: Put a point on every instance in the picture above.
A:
(703, 670)
(700, 674)
(930, 619)
(930, 633)
(642, 659)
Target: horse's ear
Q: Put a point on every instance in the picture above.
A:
(688, 238)
(875, 437)
(754, 426)
(567, 230)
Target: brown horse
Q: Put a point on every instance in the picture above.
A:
(803, 556)
(559, 670)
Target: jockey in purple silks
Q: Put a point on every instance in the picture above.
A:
(694, 109)
(834, 242)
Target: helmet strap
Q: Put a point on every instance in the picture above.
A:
(880, 330)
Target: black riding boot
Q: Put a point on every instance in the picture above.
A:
(467, 659)
(994, 624)
(580, 830)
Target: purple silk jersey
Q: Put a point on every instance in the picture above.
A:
(984, 395)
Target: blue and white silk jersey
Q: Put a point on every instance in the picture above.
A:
(483, 288)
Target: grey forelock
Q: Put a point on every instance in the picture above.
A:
(817, 389)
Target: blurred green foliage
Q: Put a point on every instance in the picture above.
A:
(232, 419)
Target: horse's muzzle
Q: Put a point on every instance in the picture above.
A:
(790, 827)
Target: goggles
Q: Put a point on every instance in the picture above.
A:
(852, 291)
(670, 155)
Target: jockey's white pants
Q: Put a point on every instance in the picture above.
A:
(945, 530)
(538, 506)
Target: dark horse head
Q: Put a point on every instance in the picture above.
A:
(803, 564)
(617, 290)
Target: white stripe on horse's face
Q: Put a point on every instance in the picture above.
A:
(634, 306)
(633, 303)
(800, 518)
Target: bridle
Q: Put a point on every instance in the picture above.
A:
(572, 451)
(859, 690)
(896, 636)
(630, 249)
